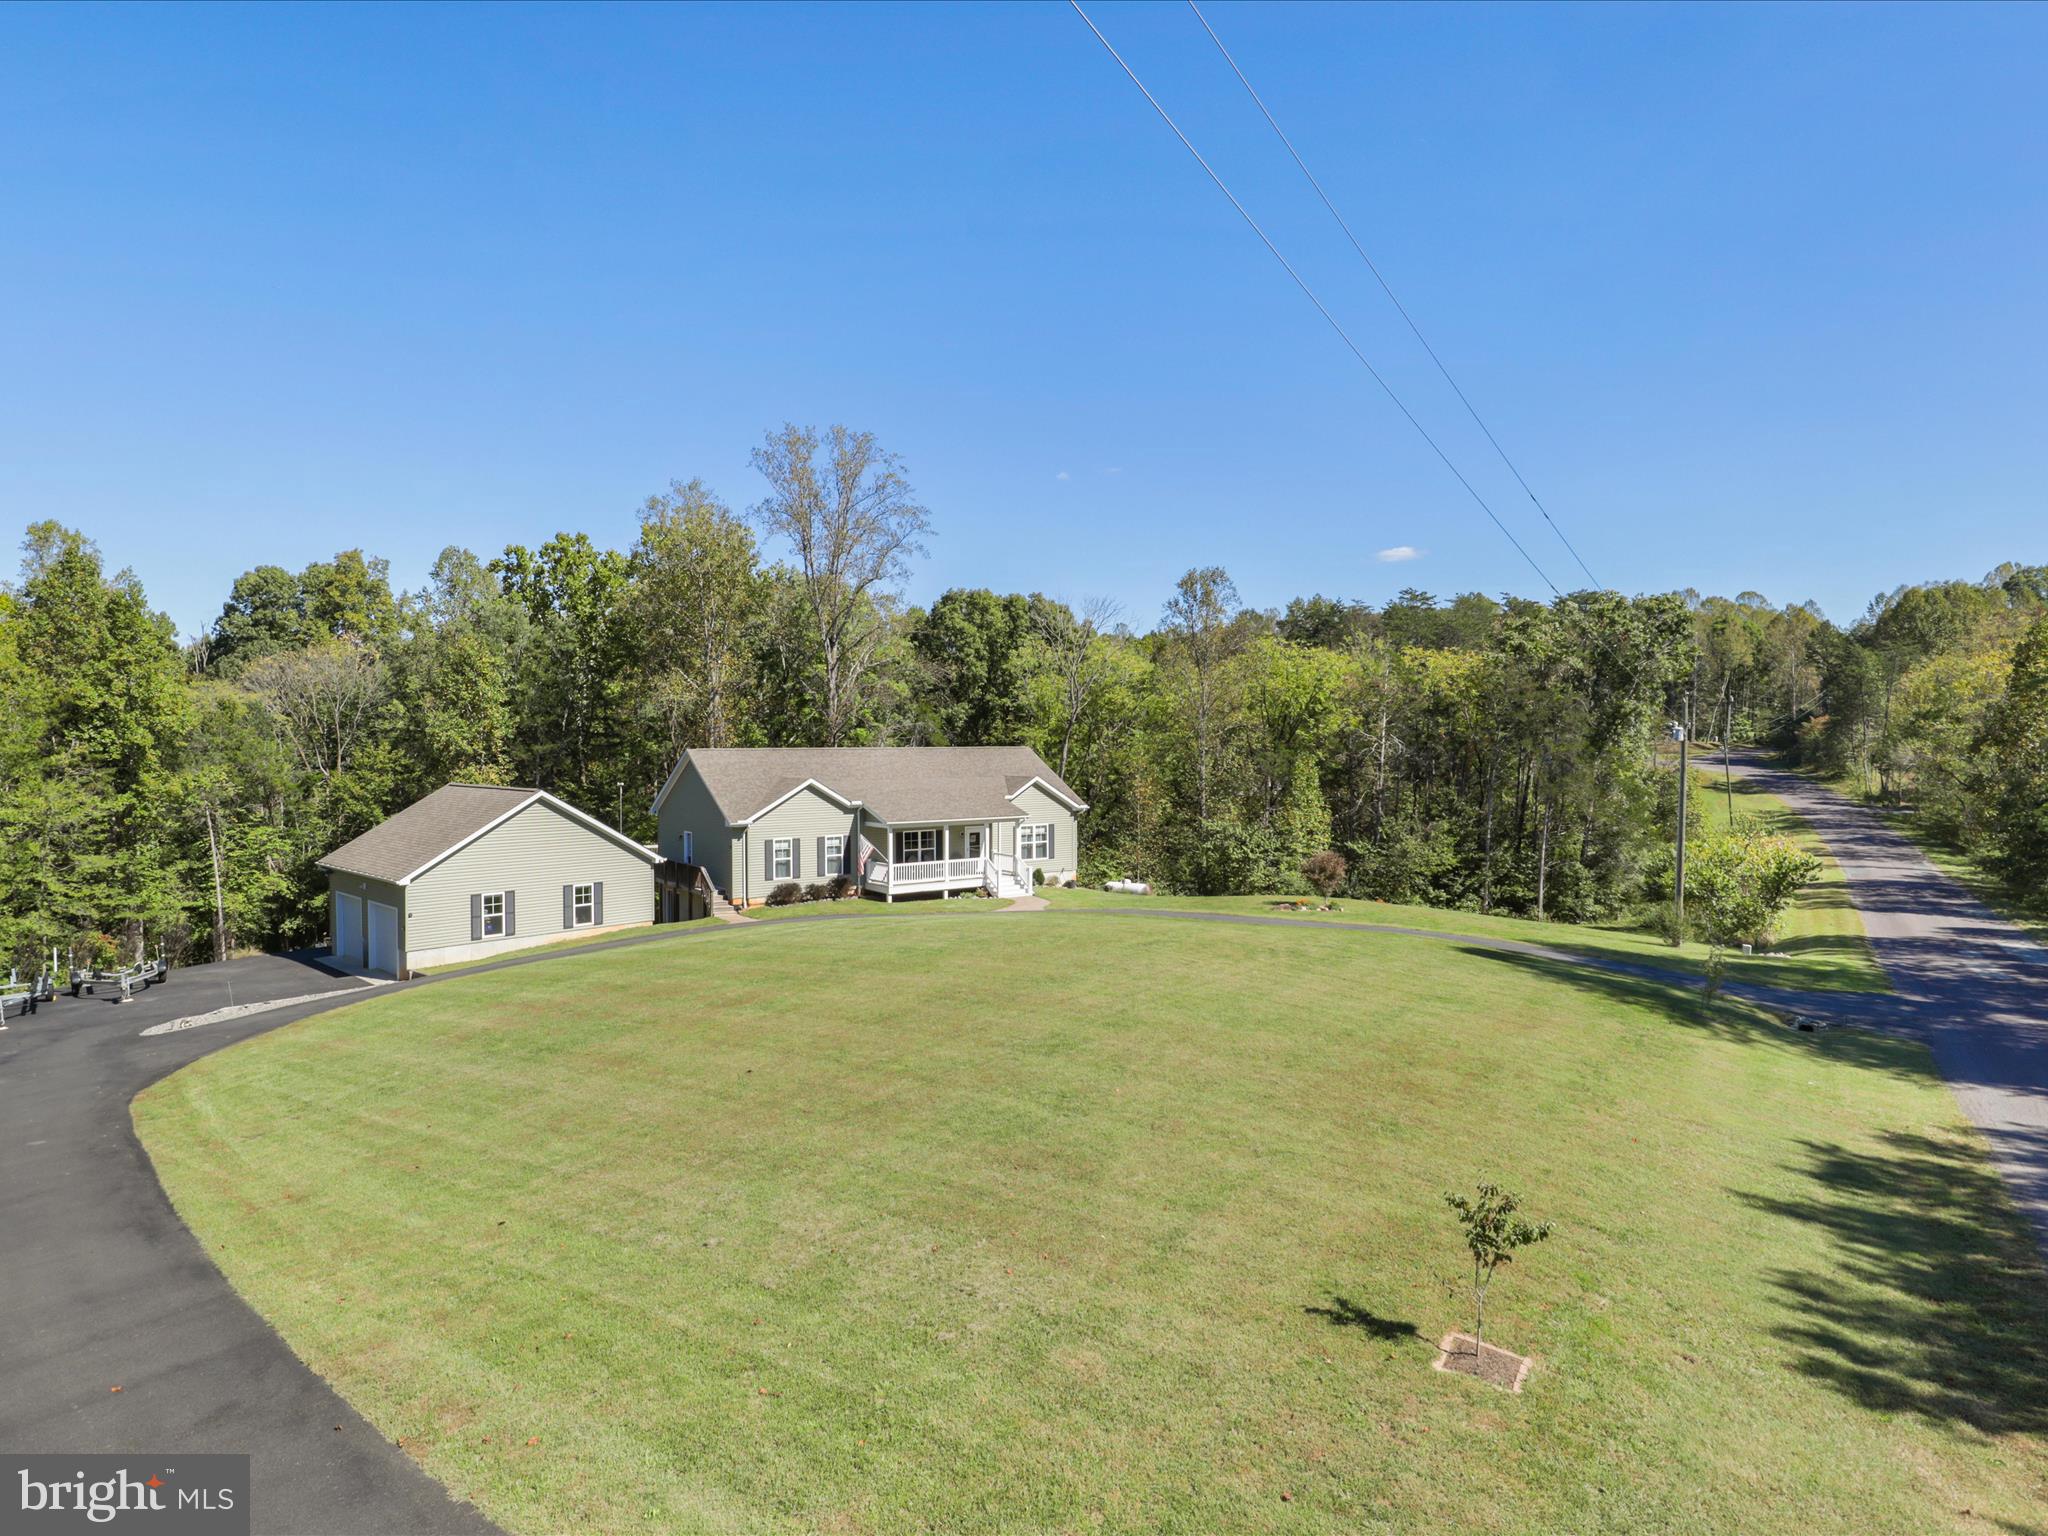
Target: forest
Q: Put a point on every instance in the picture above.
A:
(1499, 754)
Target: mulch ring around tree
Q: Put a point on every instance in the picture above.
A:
(1463, 1355)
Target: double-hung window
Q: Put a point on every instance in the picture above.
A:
(582, 905)
(494, 914)
(782, 858)
(1034, 840)
(920, 847)
(835, 856)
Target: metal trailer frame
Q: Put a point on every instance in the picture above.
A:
(18, 997)
(127, 979)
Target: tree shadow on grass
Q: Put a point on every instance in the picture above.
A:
(1937, 1304)
(1683, 1004)
(1343, 1312)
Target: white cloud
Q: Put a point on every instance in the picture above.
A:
(1114, 469)
(1399, 553)
(1063, 475)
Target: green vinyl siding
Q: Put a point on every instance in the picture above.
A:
(689, 807)
(1034, 805)
(534, 854)
(804, 817)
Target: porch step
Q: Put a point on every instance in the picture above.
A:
(725, 911)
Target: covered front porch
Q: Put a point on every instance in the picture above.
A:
(939, 858)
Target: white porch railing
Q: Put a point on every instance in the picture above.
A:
(926, 872)
(994, 871)
(1001, 872)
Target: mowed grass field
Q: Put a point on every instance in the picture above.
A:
(1821, 946)
(1057, 1223)
(867, 906)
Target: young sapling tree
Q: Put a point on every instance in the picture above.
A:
(1493, 1232)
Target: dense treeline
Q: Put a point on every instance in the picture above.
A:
(1500, 755)
(1938, 698)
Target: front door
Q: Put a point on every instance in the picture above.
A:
(974, 843)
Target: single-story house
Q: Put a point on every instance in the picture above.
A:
(476, 869)
(897, 820)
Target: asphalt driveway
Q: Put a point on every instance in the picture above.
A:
(102, 1286)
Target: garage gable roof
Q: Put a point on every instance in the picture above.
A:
(405, 846)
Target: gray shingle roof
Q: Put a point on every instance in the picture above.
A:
(424, 830)
(895, 784)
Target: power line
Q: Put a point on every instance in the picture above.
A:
(1310, 293)
(1386, 288)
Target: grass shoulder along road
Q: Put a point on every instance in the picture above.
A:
(1122, 1226)
(1822, 933)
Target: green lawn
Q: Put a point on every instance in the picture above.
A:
(862, 906)
(958, 907)
(1066, 1225)
(1823, 947)
(582, 941)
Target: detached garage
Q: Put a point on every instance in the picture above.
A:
(477, 869)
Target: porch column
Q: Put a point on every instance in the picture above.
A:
(945, 866)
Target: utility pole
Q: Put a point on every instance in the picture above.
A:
(1727, 758)
(619, 818)
(220, 915)
(1680, 732)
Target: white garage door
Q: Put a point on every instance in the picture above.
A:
(383, 938)
(348, 928)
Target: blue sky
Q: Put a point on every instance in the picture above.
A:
(1752, 294)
